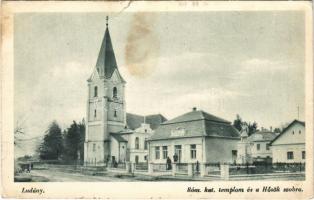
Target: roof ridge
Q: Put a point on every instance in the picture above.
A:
(196, 115)
(211, 115)
(135, 114)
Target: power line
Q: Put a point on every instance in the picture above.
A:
(34, 138)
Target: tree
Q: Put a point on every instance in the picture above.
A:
(237, 123)
(252, 128)
(82, 138)
(19, 130)
(277, 130)
(74, 139)
(52, 146)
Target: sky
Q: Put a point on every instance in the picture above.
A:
(224, 63)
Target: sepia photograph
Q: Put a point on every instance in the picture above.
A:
(217, 95)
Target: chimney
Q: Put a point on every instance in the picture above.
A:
(194, 108)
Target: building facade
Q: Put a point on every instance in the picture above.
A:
(260, 145)
(194, 137)
(289, 146)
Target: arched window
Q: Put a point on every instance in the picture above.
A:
(115, 92)
(137, 143)
(115, 113)
(95, 113)
(95, 91)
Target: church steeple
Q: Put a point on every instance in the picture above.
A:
(105, 105)
(106, 62)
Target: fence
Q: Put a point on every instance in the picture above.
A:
(212, 169)
(181, 168)
(265, 168)
(120, 166)
(141, 166)
(160, 167)
(289, 167)
(223, 170)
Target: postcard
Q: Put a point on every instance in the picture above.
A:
(154, 99)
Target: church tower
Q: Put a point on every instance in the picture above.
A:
(105, 104)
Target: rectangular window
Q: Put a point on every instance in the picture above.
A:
(303, 154)
(95, 91)
(290, 155)
(267, 146)
(258, 147)
(157, 153)
(193, 151)
(164, 152)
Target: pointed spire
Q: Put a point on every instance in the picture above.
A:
(106, 62)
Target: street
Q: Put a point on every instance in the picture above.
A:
(55, 175)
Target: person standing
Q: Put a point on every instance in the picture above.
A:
(169, 163)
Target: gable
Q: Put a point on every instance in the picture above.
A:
(116, 77)
(94, 76)
(294, 134)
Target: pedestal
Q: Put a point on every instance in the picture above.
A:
(190, 169)
(132, 167)
(150, 168)
(174, 169)
(224, 171)
(128, 167)
(202, 169)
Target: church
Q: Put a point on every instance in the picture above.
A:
(112, 135)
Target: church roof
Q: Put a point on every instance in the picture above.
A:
(106, 61)
(118, 137)
(195, 124)
(134, 121)
(155, 120)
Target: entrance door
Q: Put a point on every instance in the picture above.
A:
(178, 152)
(234, 156)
